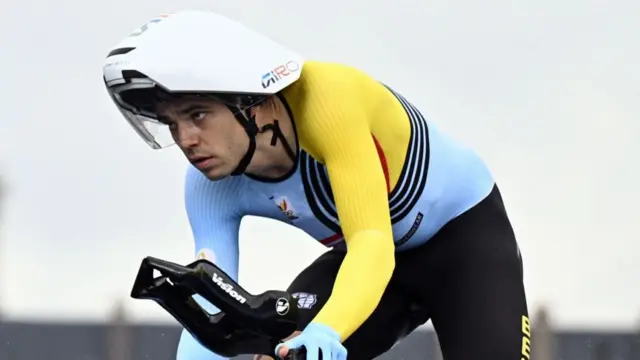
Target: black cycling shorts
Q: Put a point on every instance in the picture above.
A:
(467, 280)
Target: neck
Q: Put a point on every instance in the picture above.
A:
(273, 161)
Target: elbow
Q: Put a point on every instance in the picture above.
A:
(377, 250)
(383, 254)
(386, 251)
(190, 349)
(387, 260)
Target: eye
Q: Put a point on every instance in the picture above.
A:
(198, 115)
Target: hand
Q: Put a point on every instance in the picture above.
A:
(267, 357)
(315, 337)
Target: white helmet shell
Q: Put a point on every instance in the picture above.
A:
(196, 51)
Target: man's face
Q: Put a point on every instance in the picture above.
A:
(207, 133)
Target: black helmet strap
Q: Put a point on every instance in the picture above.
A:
(248, 122)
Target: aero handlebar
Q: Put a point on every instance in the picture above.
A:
(299, 354)
(247, 324)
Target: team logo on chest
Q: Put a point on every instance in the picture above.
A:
(285, 206)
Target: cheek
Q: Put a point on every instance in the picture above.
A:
(214, 134)
(241, 139)
(235, 136)
(225, 139)
(236, 146)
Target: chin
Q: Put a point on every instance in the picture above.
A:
(215, 174)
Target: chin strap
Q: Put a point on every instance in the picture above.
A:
(277, 134)
(248, 122)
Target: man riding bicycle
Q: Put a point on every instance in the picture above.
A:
(416, 223)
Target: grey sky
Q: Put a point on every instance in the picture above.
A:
(546, 91)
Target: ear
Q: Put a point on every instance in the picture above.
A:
(265, 111)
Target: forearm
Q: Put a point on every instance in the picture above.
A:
(190, 349)
(360, 283)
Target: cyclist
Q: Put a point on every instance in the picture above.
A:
(416, 223)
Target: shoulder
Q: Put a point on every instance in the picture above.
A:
(327, 87)
(330, 102)
(318, 73)
(313, 66)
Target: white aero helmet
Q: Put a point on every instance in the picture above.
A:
(195, 52)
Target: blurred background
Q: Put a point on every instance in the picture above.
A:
(546, 91)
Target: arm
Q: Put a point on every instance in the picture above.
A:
(345, 143)
(212, 209)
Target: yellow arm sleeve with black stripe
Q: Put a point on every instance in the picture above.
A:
(337, 131)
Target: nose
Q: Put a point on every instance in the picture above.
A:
(188, 135)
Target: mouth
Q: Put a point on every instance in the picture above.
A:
(201, 162)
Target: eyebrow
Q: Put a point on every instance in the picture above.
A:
(163, 119)
(191, 108)
(184, 111)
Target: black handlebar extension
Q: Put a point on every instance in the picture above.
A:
(247, 324)
(298, 354)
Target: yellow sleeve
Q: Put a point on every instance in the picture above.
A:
(344, 141)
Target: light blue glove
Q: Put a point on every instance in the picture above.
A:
(318, 337)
